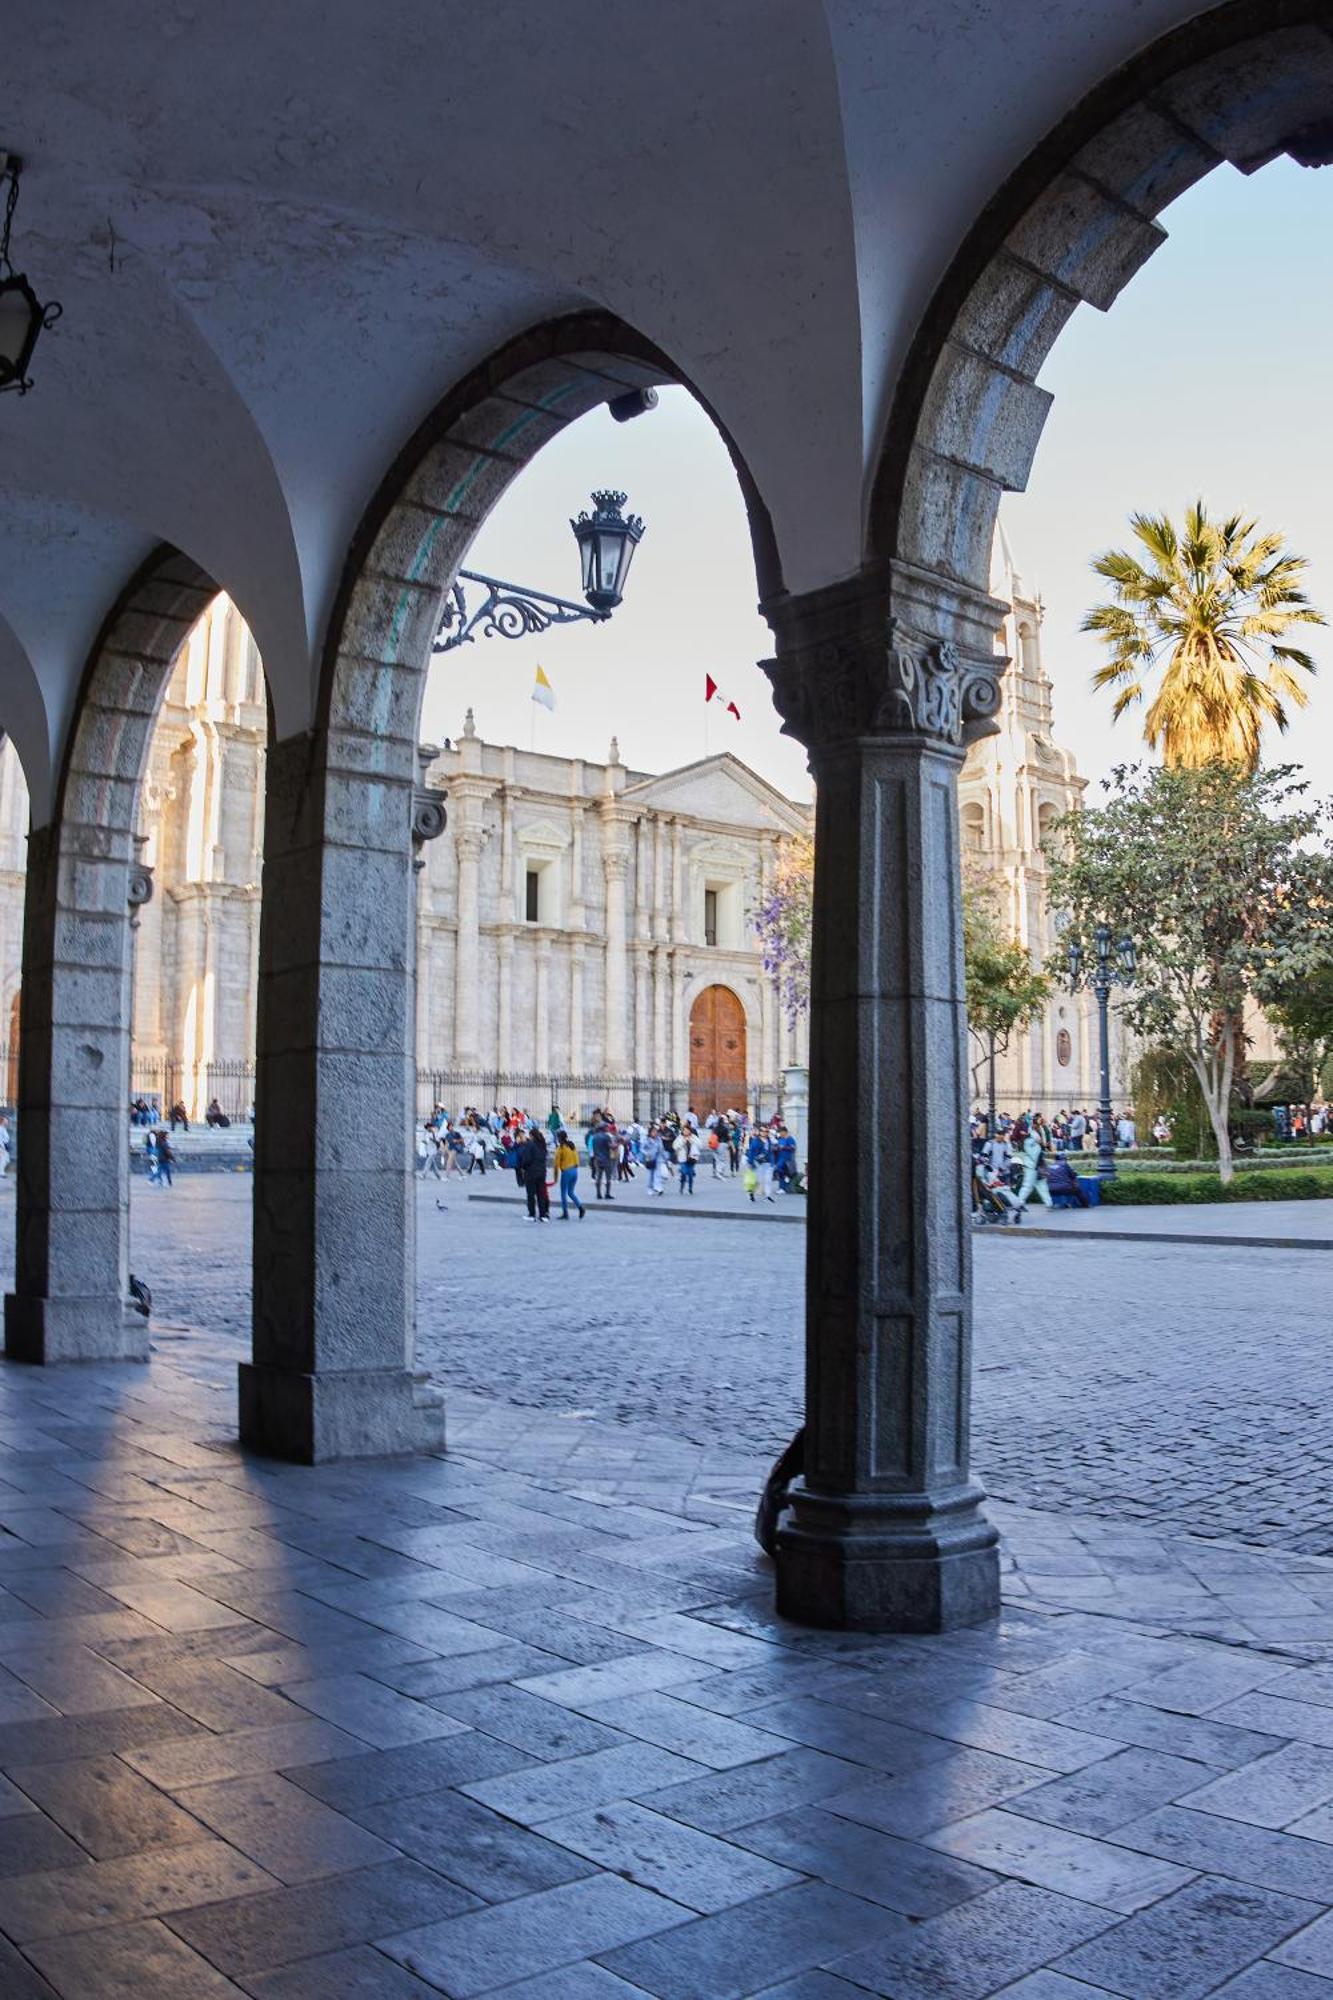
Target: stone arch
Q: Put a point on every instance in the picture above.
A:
(71, 1270)
(1071, 226)
(334, 1254)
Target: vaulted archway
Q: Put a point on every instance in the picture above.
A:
(333, 1371)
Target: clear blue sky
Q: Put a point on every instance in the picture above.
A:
(1212, 375)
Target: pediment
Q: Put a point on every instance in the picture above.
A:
(720, 789)
(533, 833)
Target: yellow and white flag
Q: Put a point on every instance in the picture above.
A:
(542, 690)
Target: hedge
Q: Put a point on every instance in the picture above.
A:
(1308, 1184)
(1293, 1158)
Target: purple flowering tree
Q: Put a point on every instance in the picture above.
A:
(782, 923)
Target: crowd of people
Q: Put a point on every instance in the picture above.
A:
(1034, 1156)
(546, 1156)
(1069, 1131)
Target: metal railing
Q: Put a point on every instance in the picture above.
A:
(162, 1082)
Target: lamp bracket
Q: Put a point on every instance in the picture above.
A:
(506, 611)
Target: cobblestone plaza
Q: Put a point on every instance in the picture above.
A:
(1149, 1382)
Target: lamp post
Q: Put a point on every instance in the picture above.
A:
(1110, 969)
(607, 539)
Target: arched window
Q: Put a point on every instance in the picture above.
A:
(1047, 815)
(974, 826)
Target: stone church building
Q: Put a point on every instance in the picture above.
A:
(584, 929)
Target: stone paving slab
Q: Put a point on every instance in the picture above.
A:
(522, 1719)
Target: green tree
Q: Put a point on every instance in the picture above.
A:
(1005, 991)
(1302, 1013)
(1209, 606)
(1225, 883)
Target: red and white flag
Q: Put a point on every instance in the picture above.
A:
(712, 692)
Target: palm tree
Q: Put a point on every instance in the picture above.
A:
(1209, 606)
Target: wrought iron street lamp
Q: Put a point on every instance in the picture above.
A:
(607, 539)
(22, 314)
(1113, 966)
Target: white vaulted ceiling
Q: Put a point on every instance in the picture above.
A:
(281, 232)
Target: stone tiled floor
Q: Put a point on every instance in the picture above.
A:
(521, 1720)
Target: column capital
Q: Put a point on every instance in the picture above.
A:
(848, 665)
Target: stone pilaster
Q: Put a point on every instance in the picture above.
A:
(334, 1264)
(661, 985)
(575, 1038)
(541, 1035)
(679, 926)
(642, 1006)
(469, 840)
(504, 1003)
(659, 903)
(886, 1530)
(615, 861)
(71, 1268)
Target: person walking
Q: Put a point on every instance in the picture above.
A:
(164, 1155)
(1033, 1155)
(687, 1157)
(603, 1150)
(567, 1168)
(654, 1152)
(759, 1159)
(530, 1171)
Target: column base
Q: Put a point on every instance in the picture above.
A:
(364, 1413)
(883, 1562)
(46, 1331)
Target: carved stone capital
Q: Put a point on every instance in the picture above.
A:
(848, 667)
(429, 817)
(139, 886)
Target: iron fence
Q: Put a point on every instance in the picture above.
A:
(161, 1082)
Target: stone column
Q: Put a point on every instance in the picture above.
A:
(641, 1053)
(575, 1040)
(886, 1531)
(334, 1267)
(660, 978)
(678, 1060)
(679, 927)
(659, 894)
(615, 860)
(504, 1003)
(469, 839)
(541, 1037)
(72, 1253)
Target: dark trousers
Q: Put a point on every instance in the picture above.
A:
(539, 1202)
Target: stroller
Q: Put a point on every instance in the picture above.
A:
(993, 1198)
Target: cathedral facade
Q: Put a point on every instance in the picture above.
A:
(584, 929)
(1014, 789)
